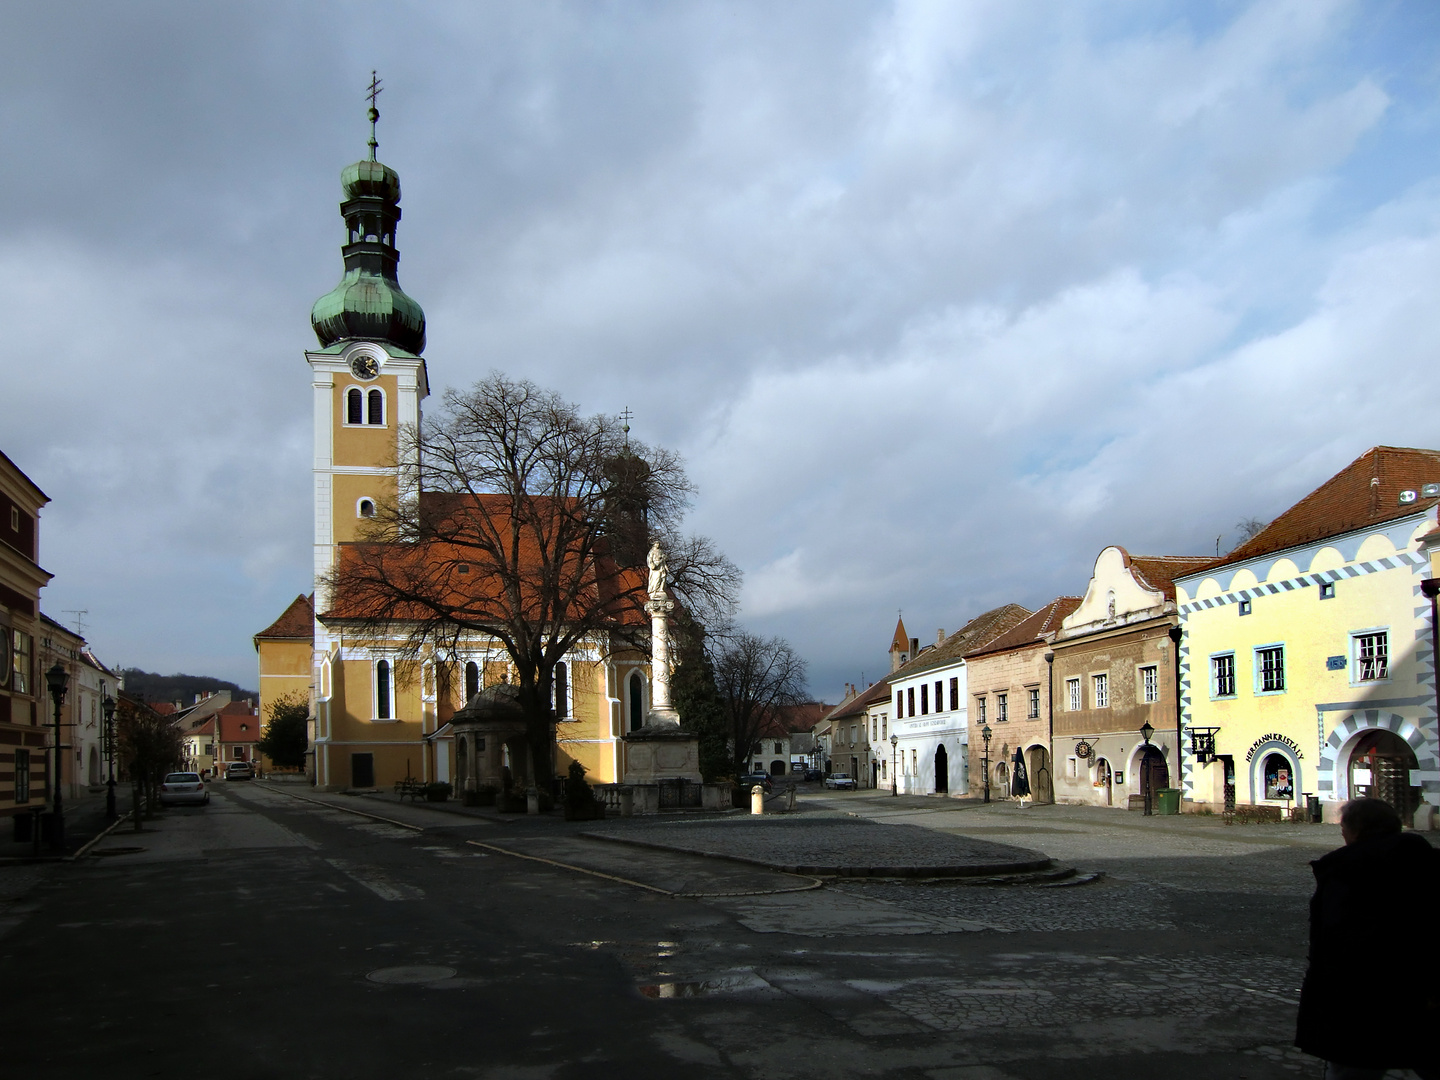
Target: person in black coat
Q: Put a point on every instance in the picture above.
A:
(1369, 1001)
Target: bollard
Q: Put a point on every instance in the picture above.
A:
(757, 799)
(532, 801)
(627, 802)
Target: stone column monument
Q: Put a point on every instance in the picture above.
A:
(660, 753)
(662, 712)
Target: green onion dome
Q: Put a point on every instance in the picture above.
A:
(368, 304)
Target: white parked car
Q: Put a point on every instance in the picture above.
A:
(183, 789)
(840, 780)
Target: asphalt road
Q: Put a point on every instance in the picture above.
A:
(269, 936)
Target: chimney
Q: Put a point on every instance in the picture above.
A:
(940, 637)
(914, 646)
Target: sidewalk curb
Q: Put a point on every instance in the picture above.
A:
(85, 848)
(985, 870)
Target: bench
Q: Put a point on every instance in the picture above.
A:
(410, 788)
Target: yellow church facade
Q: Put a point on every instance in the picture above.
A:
(380, 715)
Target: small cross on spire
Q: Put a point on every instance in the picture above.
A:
(625, 417)
(374, 90)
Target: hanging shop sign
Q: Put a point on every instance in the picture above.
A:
(1083, 749)
(1274, 737)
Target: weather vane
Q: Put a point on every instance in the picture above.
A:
(374, 92)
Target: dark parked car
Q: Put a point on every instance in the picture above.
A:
(756, 779)
(814, 774)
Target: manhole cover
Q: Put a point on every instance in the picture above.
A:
(409, 976)
(116, 851)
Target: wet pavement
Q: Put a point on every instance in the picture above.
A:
(293, 937)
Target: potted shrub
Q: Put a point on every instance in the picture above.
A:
(437, 791)
(580, 801)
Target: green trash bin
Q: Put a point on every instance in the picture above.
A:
(1169, 801)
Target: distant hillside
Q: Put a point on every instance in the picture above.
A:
(183, 688)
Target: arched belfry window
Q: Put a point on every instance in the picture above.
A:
(354, 406)
(377, 408)
(472, 680)
(382, 689)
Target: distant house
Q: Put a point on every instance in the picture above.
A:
(847, 736)
(1115, 672)
(929, 703)
(1010, 683)
(237, 732)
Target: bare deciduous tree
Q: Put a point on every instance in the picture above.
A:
(149, 745)
(1248, 528)
(531, 530)
(755, 676)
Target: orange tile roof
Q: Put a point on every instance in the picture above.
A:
(1032, 630)
(900, 642)
(1160, 571)
(239, 708)
(978, 632)
(1365, 493)
(296, 622)
(230, 728)
(857, 705)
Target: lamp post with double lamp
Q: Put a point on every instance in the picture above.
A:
(894, 757)
(108, 705)
(57, 680)
(1145, 732)
(985, 734)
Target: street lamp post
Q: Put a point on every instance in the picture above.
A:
(985, 734)
(108, 705)
(894, 757)
(57, 679)
(1145, 732)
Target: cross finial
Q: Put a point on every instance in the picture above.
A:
(374, 90)
(626, 416)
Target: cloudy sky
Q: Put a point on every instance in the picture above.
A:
(937, 299)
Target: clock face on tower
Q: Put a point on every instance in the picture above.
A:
(364, 367)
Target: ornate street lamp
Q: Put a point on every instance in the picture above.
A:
(108, 705)
(985, 734)
(894, 757)
(1145, 732)
(57, 679)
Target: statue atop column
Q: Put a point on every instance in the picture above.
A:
(659, 572)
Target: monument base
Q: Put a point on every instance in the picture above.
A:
(662, 751)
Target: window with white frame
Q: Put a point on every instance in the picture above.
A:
(899, 703)
(1101, 686)
(20, 663)
(1222, 675)
(1150, 683)
(980, 709)
(1372, 656)
(924, 699)
(1002, 708)
(954, 694)
(939, 696)
(1072, 694)
(384, 690)
(1033, 713)
(1270, 669)
(884, 727)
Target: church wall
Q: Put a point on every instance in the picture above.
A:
(284, 669)
(364, 444)
(347, 491)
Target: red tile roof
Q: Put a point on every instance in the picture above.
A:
(978, 632)
(238, 708)
(230, 728)
(1364, 493)
(1032, 630)
(900, 642)
(296, 623)
(857, 705)
(1160, 571)
(163, 708)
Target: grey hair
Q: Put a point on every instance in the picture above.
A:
(1365, 818)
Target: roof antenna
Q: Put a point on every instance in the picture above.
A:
(79, 619)
(374, 92)
(1217, 546)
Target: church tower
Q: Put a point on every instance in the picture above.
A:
(368, 374)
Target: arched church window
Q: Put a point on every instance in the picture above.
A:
(382, 689)
(354, 406)
(562, 692)
(472, 680)
(637, 705)
(367, 508)
(377, 407)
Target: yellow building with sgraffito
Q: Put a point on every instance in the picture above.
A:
(1306, 654)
